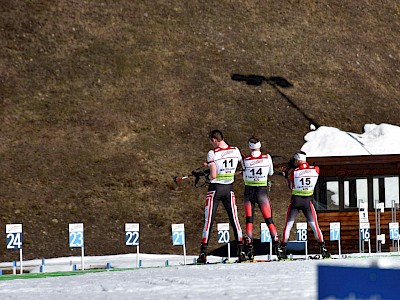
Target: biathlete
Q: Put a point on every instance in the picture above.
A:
(222, 160)
(302, 181)
(257, 168)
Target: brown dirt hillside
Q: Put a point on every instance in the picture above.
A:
(103, 102)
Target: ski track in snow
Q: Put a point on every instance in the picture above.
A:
(279, 280)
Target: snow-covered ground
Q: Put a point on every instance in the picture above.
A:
(275, 280)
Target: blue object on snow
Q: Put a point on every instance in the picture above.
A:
(358, 283)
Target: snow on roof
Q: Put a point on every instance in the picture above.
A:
(330, 141)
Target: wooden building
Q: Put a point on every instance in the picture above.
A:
(344, 182)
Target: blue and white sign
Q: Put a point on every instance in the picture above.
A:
(357, 283)
(223, 233)
(364, 231)
(178, 234)
(334, 231)
(14, 236)
(76, 235)
(394, 231)
(301, 231)
(265, 234)
(132, 234)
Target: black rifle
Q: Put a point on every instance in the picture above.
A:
(197, 174)
(285, 168)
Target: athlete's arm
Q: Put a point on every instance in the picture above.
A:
(213, 171)
(290, 179)
(241, 160)
(271, 168)
(317, 169)
(211, 164)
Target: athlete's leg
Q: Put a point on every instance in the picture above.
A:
(291, 215)
(231, 209)
(249, 212)
(211, 206)
(311, 216)
(266, 210)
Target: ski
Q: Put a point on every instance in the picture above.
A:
(258, 260)
(203, 264)
(309, 257)
(320, 256)
(226, 261)
(223, 261)
(317, 256)
(292, 259)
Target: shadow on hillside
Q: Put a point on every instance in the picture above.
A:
(275, 82)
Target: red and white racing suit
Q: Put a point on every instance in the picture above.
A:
(221, 190)
(302, 183)
(256, 172)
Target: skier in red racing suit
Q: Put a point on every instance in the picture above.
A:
(257, 167)
(222, 160)
(302, 181)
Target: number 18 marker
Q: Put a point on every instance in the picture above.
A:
(301, 229)
(301, 234)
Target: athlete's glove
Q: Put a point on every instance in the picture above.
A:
(201, 173)
(287, 168)
(207, 175)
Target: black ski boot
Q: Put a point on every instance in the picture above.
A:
(250, 251)
(324, 251)
(281, 251)
(241, 254)
(202, 259)
(249, 248)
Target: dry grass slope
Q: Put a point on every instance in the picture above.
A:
(102, 102)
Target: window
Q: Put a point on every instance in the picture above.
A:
(355, 191)
(346, 193)
(332, 195)
(327, 195)
(386, 189)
